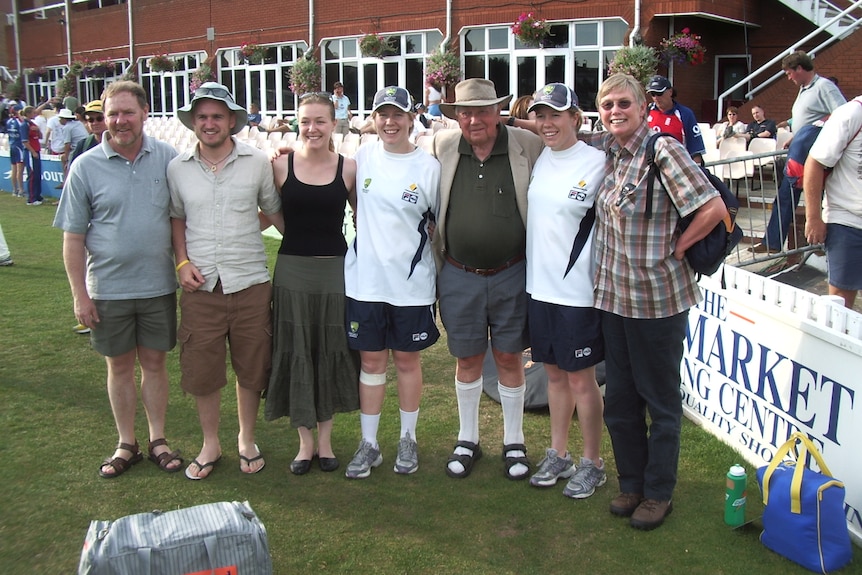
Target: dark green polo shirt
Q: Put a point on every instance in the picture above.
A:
(483, 226)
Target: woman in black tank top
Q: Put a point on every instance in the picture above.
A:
(314, 374)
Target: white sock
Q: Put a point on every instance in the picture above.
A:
(468, 395)
(512, 401)
(408, 423)
(369, 425)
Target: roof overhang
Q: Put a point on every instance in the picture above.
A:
(708, 16)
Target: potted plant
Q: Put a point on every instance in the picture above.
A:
(683, 48)
(373, 45)
(67, 85)
(529, 30)
(305, 76)
(442, 69)
(98, 69)
(639, 61)
(161, 63)
(203, 73)
(252, 53)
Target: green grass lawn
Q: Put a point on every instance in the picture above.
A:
(57, 427)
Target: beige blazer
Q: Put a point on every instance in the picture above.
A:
(524, 149)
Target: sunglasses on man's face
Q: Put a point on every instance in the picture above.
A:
(94, 119)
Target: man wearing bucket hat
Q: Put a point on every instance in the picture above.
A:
(216, 189)
(117, 253)
(481, 240)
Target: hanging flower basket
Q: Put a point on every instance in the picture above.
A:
(37, 74)
(442, 69)
(161, 63)
(638, 61)
(373, 45)
(97, 69)
(67, 86)
(253, 53)
(305, 76)
(529, 30)
(683, 48)
(203, 73)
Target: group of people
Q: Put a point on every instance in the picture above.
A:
(581, 276)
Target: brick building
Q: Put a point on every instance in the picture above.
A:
(43, 39)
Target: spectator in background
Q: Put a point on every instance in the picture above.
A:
(73, 132)
(839, 225)
(16, 151)
(817, 96)
(254, 117)
(55, 138)
(5, 254)
(732, 128)
(31, 139)
(342, 109)
(433, 98)
(94, 121)
(665, 114)
(760, 127)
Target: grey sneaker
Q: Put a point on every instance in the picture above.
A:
(585, 480)
(551, 468)
(407, 461)
(363, 460)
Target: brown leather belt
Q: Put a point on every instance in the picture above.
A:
(485, 271)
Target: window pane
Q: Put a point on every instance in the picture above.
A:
(474, 67)
(287, 100)
(369, 75)
(614, 33)
(390, 75)
(498, 38)
(348, 48)
(555, 69)
(559, 37)
(586, 76)
(432, 40)
(587, 34)
(394, 43)
(240, 87)
(498, 72)
(287, 53)
(330, 50)
(271, 102)
(526, 76)
(350, 79)
(414, 82)
(333, 74)
(474, 41)
(414, 43)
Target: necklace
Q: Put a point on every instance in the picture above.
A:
(214, 165)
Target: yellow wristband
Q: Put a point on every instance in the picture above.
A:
(181, 264)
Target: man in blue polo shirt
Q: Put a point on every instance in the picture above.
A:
(668, 116)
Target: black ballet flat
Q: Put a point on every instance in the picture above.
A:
(300, 466)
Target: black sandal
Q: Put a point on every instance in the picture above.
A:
(120, 464)
(163, 459)
(466, 461)
(511, 461)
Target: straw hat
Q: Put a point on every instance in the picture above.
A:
(474, 92)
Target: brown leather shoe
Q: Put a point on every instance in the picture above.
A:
(624, 504)
(762, 249)
(650, 514)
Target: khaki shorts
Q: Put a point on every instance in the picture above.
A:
(126, 324)
(209, 321)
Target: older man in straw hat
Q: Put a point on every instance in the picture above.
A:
(216, 188)
(481, 236)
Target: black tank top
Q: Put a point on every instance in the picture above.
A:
(313, 215)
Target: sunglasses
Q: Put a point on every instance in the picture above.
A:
(608, 105)
(216, 92)
(94, 119)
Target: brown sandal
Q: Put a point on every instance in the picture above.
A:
(120, 464)
(163, 459)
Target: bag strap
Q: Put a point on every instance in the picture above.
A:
(796, 481)
(652, 171)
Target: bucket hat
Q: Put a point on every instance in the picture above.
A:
(474, 92)
(219, 93)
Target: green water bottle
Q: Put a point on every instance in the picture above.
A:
(734, 497)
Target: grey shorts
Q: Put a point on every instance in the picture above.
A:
(126, 324)
(472, 306)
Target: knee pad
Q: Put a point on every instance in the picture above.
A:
(372, 379)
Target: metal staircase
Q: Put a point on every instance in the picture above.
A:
(822, 14)
(839, 22)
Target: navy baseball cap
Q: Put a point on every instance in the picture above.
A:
(556, 96)
(658, 85)
(393, 96)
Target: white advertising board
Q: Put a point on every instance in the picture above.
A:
(754, 372)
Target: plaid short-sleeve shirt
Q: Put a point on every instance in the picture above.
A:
(636, 273)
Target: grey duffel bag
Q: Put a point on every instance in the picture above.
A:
(223, 538)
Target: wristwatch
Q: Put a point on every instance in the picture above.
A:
(510, 121)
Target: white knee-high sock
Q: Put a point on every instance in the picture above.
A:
(369, 425)
(469, 394)
(408, 423)
(512, 401)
